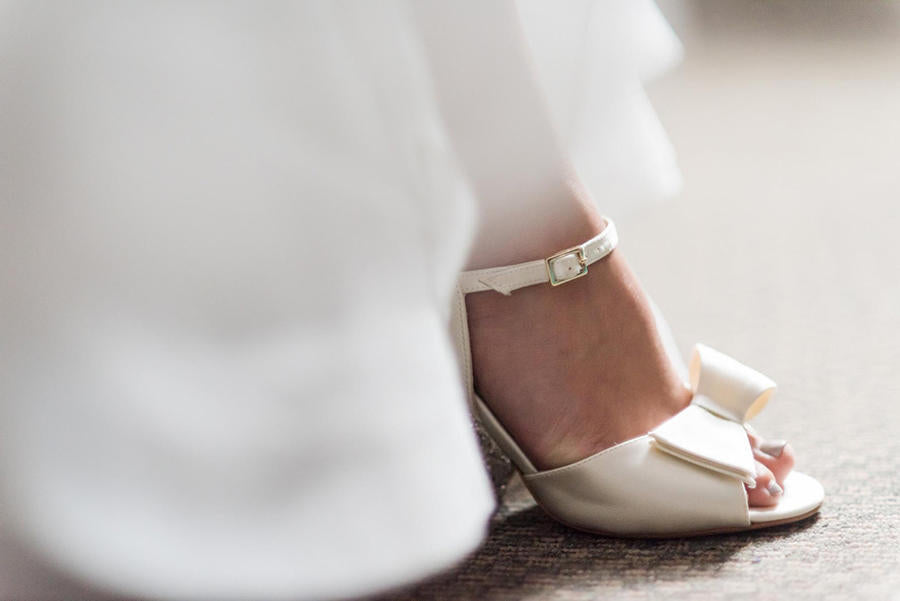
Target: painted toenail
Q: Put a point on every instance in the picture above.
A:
(773, 447)
(774, 489)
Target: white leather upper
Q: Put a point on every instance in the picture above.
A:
(632, 488)
(685, 476)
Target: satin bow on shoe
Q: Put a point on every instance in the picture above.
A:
(711, 431)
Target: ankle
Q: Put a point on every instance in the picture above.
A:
(575, 369)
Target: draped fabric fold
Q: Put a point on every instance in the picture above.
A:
(592, 59)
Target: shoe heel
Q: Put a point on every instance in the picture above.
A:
(499, 466)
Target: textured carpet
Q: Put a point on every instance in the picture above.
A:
(783, 251)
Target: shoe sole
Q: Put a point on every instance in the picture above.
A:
(690, 534)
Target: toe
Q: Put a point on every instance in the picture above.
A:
(777, 455)
(767, 491)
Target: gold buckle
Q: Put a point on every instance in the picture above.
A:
(578, 251)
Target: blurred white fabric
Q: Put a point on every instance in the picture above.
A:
(592, 57)
(228, 234)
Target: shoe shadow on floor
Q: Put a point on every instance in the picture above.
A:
(527, 553)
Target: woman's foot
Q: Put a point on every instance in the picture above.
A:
(578, 368)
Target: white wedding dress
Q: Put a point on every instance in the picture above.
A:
(228, 236)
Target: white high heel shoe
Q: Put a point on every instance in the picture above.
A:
(684, 478)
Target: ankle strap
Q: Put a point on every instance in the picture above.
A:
(564, 266)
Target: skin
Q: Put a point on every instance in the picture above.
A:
(575, 369)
